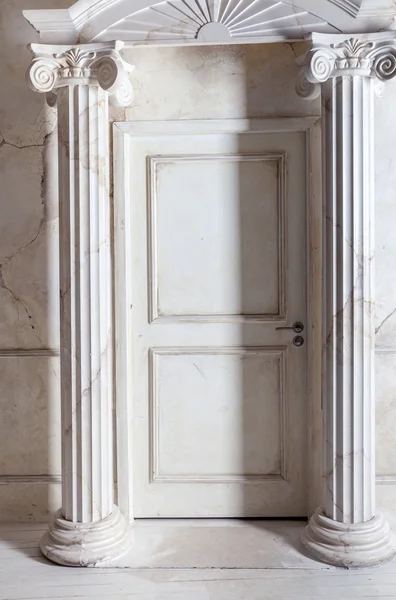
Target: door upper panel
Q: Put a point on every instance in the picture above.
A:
(232, 246)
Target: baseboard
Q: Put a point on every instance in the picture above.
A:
(35, 498)
(29, 498)
(25, 479)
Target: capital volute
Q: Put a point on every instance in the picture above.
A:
(53, 67)
(365, 55)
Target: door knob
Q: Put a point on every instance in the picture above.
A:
(297, 328)
(298, 341)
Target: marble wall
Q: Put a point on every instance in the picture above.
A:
(172, 83)
(29, 340)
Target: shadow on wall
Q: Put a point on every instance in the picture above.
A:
(273, 294)
(248, 247)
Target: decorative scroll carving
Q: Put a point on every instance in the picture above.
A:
(385, 64)
(366, 56)
(92, 64)
(306, 89)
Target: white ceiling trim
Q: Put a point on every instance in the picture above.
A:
(177, 22)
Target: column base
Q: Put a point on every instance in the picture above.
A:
(355, 546)
(86, 544)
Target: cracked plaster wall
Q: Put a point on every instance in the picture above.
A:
(29, 340)
(169, 83)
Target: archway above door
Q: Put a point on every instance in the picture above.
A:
(152, 22)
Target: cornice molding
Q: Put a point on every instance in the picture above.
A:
(375, 8)
(363, 9)
(207, 21)
(351, 7)
(53, 67)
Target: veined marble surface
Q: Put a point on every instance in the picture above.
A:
(171, 83)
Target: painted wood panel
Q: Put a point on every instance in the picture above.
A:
(217, 266)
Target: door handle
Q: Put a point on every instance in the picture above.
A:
(297, 328)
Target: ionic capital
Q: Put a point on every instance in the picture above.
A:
(100, 65)
(365, 55)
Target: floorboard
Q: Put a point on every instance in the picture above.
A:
(270, 567)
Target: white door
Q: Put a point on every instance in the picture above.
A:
(218, 263)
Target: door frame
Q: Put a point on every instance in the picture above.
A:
(123, 383)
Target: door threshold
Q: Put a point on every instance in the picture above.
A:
(213, 521)
(217, 544)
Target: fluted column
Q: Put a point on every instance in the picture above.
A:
(346, 530)
(88, 529)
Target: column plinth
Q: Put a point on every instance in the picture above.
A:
(89, 529)
(354, 546)
(75, 544)
(347, 530)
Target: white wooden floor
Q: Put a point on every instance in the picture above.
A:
(175, 567)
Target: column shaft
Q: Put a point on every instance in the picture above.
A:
(86, 313)
(346, 530)
(89, 529)
(349, 459)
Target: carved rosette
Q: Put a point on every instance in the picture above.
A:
(100, 65)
